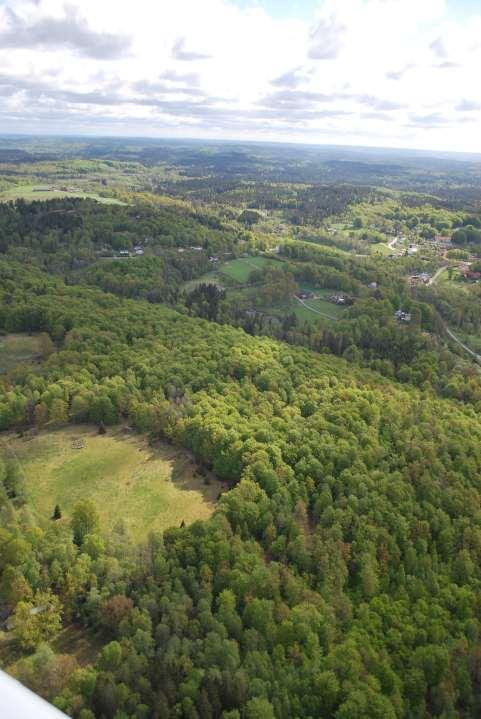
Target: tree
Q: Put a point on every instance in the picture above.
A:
(57, 514)
(47, 347)
(38, 620)
(58, 412)
(115, 609)
(110, 656)
(259, 708)
(40, 414)
(85, 520)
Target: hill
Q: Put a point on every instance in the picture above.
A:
(339, 576)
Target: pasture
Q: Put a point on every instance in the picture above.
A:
(146, 487)
(30, 193)
(240, 269)
(18, 349)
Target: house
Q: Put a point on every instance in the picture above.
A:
(124, 253)
(305, 295)
(214, 258)
(341, 299)
(412, 249)
(402, 316)
(372, 285)
(138, 249)
(196, 248)
(421, 279)
(470, 275)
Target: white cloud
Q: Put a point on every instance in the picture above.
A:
(378, 72)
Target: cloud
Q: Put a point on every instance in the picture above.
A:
(433, 120)
(71, 32)
(180, 53)
(292, 78)
(259, 81)
(188, 78)
(438, 47)
(468, 106)
(447, 65)
(378, 103)
(326, 39)
(147, 87)
(290, 99)
(399, 74)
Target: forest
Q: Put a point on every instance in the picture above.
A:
(250, 339)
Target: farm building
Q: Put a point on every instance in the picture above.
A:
(306, 295)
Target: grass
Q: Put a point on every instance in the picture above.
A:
(18, 349)
(382, 249)
(240, 269)
(211, 278)
(45, 192)
(146, 487)
(325, 307)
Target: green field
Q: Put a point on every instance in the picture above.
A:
(319, 308)
(381, 248)
(48, 192)
(240, 269)
(146, 487)
(18, 349)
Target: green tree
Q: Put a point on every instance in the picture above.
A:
(85, 520)
(38, 620)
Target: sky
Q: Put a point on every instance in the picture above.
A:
(388, 73)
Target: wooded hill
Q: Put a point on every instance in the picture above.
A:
(340, 574)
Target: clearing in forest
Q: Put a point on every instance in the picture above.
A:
(30, 193)
(145, 487)
(18, 349)
(240, 269)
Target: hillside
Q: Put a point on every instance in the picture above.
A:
(339, 576)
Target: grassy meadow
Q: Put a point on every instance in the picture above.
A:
(240, 269)
(18, 349)
(30, 193)
(146, 487)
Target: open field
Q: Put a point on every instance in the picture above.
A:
(145, 487)
(18, 349)
(382, 249)
(46, 192)
(240, 269)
